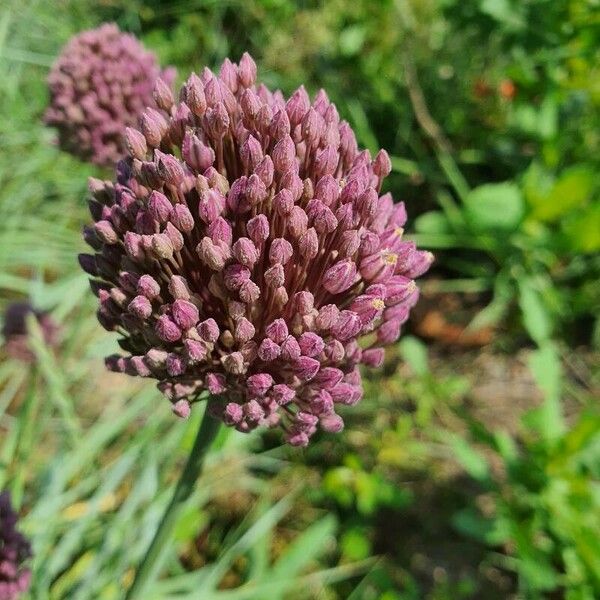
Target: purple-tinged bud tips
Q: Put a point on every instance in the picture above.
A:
(306, 368)
(194, 95)
(311, 344)
(169, 168)
(244, 330)
(140, 307)
(259, 384)
(245, 252)
(153, 126)
(258, 229)
(281, 251)
(136, 143)
(182, 409)
(268, 350)
(167, 330)
(339, 277)
(196, 154)
(148, 286)
(163, 95)
(185, 314)
(247, 71)
(209, 330)
(159, 206)
(233, 413)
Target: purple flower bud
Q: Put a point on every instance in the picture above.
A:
(175, 364)
(304, 302)
(258, 229)
(233, 363)
(368, 308)
(163, 95)
(244, 330)
(182, 218)
(245, 252)
(373, 357)
(311, 344)
(196, 154)
(331, 423)
(179, 288)
(182, 409)
(299, 439)
(140, 307)
(277, 331)
(167, 330)
(297, 106)
(136, 143)
(281, 251)
(185, 314)
(153, 126)
(327, 317)
(233, 413)
(382, 165)
(249, 292)
(309, 244)
(275, 276)
(216, 383)
(259, 384)
(105, 232)
(195, 351)
(297, 222)
(159, 207)
(194, 95)
(339, 277)
(162, 246)
(283, 202)
(389, 331)
(284, 154)
(148, 286)
(247, 71)
(282, 394)
(290, 349)
(306, 368)
(268, 350)
(347, 326)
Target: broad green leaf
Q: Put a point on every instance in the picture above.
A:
(495, 206)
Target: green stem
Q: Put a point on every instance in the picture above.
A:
(156, 554)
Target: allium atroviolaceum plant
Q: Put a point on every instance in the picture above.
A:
(245, 249)
(100, 84)
(14, 552)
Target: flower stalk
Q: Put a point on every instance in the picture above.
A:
(156, 553)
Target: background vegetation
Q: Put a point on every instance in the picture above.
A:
(472, 467)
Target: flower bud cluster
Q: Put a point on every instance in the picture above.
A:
(245, 249)
(14, 551)
(100, 84)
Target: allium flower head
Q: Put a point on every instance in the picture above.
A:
(14, 551)
(14, 330)
(245, 249)
(100, 84)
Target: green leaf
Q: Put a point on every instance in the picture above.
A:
(547, 371)
(571, 190)
(414, 352)
(474, 463)
(495, 206)
(432, 222)
(535, 317)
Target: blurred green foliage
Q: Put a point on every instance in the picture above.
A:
(490, 110)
